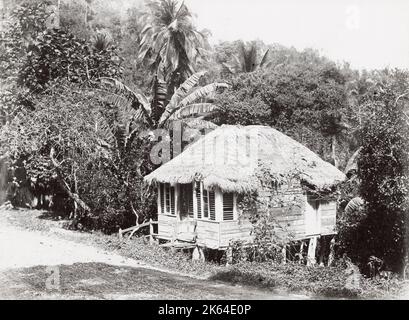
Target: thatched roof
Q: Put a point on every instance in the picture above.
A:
(232, 157)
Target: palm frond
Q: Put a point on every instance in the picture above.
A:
(169, 36)
(354, 204)
(131, 136)
(192, 110)
(185, 87)
(138, 100)
(202, 92)
(104, 131)
(101, 41)
(264, 59)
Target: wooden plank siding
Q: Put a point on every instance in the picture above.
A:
(290, 219)
(287, 204)
(235, 230)
(166, 226)
(328, 217)
(208, 233)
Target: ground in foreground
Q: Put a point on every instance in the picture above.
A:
(39, 265)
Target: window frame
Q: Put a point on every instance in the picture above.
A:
(202, 203)
(167, 202)
(235, 212)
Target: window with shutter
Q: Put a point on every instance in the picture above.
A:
(212, 206)
(198, 200)
(162, 198)
(167, 198)
(172, 200)
(205, 204)
(228, 206)
(190, 201)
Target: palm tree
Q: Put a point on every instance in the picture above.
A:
(247, 59)
(101, 42)
(335, 128)
(170, 43)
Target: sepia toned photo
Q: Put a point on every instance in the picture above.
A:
(218, 152)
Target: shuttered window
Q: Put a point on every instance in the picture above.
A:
(212, 206)
(228, 206)
(167, 199)
(162, 198)
(205, 204)
(190, 202)
(172, 200)
(198, 200)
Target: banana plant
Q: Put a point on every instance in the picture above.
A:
(188, 101)
(354, 204)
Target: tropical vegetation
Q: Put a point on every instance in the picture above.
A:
(81, 105)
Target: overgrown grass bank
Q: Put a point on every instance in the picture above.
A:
(327, 282)
(322, 282)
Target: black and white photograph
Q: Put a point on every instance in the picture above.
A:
(220, 152)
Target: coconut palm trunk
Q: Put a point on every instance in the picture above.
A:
(333, 150)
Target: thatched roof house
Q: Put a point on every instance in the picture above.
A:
(198, 191)
(230, 156)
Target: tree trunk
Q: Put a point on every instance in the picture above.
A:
(333, 150)
(65, 185)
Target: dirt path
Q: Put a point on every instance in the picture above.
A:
(38, 266)
(22, 248)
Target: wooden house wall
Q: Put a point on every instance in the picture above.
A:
(166, 226)
(235, 230)
(328, 217)
(286, 203)
(208, 233)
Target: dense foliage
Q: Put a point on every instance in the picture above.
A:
(377, 224)
(383, 170)
(63, 144)
(58, 56)
(305, 99)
